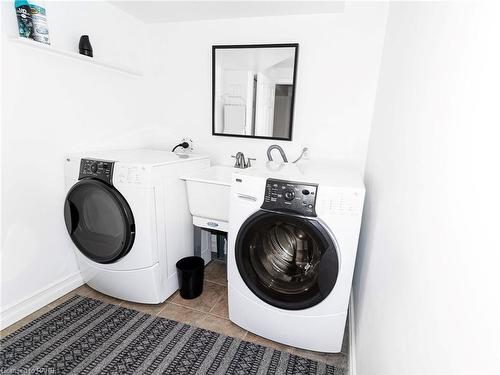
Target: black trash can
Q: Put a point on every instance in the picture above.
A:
(190, 271)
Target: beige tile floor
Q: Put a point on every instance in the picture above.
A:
(208, 311)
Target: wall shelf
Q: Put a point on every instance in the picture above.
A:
(49, 49)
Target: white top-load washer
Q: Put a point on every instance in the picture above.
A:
(126, 213)
(293, 237)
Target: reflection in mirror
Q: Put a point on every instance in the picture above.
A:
(253, 90)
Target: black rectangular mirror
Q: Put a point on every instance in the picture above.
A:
(253, 90)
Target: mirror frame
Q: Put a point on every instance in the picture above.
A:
(242, 46)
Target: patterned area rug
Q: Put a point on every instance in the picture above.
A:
(86, 336)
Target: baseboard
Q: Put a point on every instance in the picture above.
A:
(352, 338)
(38, 300)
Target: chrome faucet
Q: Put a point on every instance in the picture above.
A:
(276, 147)
(241, 162)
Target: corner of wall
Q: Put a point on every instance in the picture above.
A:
(352, 337)
(354, 301)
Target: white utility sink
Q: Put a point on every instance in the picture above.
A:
(208, 196)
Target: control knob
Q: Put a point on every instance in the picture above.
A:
(289, 195)
(93, 167)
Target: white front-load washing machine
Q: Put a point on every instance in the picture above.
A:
(293, 239)
(126, 213)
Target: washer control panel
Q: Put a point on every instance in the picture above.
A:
(100, 169)
(297, 197)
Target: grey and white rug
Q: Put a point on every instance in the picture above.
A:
(86, 336)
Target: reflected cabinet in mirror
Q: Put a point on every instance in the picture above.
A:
(253, 89)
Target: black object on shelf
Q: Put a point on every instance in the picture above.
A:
(85, 47)
(190, 272)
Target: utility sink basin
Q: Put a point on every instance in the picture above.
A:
(208, 196)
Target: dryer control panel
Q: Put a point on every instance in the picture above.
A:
(100, 169)
(289, 196)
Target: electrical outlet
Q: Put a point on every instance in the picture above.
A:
(191, 145)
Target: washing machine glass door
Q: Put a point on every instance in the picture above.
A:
(288, 261)
(99, 221)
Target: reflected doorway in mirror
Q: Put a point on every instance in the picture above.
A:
(253, 90)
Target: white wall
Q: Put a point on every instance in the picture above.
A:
(427, 278)
(338, 65)
(52, 105)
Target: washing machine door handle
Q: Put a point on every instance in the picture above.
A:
(70, 216)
